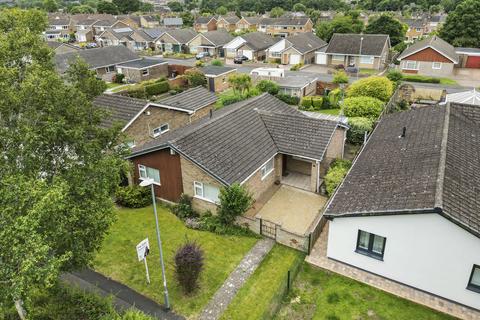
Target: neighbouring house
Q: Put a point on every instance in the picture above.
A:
(369, 51)
(409, 209)
(252, 45)
(58, 28)
(204, 24)
(134, 39)
(417, 29)
(102, 60)
(105, 24)
(217, 77)
(172, 23)
(133, 21)
(297, 84)
(56, 35)
(465, 97)
(149, 21)
(145, 121)
(84, 35)
(285, 26)
(255, 142)
(175, 40)
(248, 24)
(296, 49)
(435, 22)
(211, 42)
(468, 57)
(144, 69)
(62, 47)
(85, 24)
(227, 23)
(431, 57)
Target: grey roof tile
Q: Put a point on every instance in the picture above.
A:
(120, 109)
(435, 43)
(218, 37)
(349, 43)
(192, 99)
(258, 40)
(306, 42)
(182, 35)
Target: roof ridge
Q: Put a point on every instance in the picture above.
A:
(442, 162)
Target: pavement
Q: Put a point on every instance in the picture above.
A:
(124, 297)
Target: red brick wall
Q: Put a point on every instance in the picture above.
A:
(428, 54)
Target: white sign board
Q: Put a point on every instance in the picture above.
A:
(143, 249)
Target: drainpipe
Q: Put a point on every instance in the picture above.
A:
(318, 176)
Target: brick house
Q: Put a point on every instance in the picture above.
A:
(142, 70)
(296, 49)
(285, 26)
(249, 142)
(252, 45)
(228, 23)
(175, 40)
(204, 24)
(249, 24)
(211, 42)
(217, 77)
(417, 29)
(431, 57)
(145, 121)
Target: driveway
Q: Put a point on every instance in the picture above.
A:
(292, 208)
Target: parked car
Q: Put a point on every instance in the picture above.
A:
(240, 59)
(202, 55)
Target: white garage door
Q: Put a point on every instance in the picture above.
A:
(321, 58)
(294, 58)
(248, 54)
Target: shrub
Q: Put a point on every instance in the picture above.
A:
(118, 78)
(157, 88)
(394, 75)
(340, 77)
(199, 63)
(358, 126)
(188, 265)
(217, 63)
(195, 78)
(235, 200)
(183, 209)
(334, 98)
(137, 92)
(418, 78)
(133, 196)
(268, 86)
(362, 107)
(288, 99)
(375, 87)
(296, 67)
(311, 103)
(335, 174)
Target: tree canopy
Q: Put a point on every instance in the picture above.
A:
(461, 29)
(175, 6)
(127, 6)
(387, 24)
(340, 24)
(107, 7)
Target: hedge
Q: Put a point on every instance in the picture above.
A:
(418, 78)
(376, 87)
(138, 93)
(335, 174)
(157, 88)
(362, 107)
(312, 103)
(358, 126)
(268, 86)
(133, 196)
(292, 100)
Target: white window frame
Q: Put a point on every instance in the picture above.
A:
(265, 170)
(143, 174)
(107, 69)
(336, 57)
(197, 185)
(367, 59)
(439, 65)
(407, 67)
(161, 131)
(145, 74)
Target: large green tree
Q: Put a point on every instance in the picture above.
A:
(107, 7)
(127, 6)
(387, 24)
(340, 24)
(462, 28)
(58, 166)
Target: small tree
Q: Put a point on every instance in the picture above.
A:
(188, 265)
(376, 87)
(299, 7)
(340, 77)
(276, 12)
(221, 10)
(217, 63)
(195, 78)
(240, 82)
(268, 86)
(394, 75)
(235, 200)
(363, 107)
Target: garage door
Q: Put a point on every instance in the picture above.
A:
(321, 58)
(248, 54)
(294, 58)
(473, 62)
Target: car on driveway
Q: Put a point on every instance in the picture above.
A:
(240, 59)
(202, 55)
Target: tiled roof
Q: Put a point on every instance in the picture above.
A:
(352, 44)
(142, 64)
(434, 168)
(306, 42)
(105, 22)
(182, 35)
(258, 40)
(203, 20)
(191, 99)
(120, 109)
(436, 43)
(59, 21)
(155, 32)
(239, 138)
(218, 37)
(172, 21)
(285, 21)
(216, 70)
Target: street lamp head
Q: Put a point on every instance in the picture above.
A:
(146, 182)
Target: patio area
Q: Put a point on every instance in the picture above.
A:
(292, 208)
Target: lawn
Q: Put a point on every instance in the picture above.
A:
(427, 79)
(118, 258)
(369, 72)
(319, 294)
(258, 296)
(111, 85)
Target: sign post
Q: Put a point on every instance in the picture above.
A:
(143, 249)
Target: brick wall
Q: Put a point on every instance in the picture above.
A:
(257, 186)
(334, 150)
(156, 72)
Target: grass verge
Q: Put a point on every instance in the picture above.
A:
(118, 260)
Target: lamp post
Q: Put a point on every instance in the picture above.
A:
(146, 183)
(360, 56)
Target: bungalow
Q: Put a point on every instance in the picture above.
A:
(368, 51)
(410, 219)
(285, 26)
(211, 42)
(102, 60)
(172, 23)
(144, 69)
(249, 24)
(217, 77)
(252, 45)
(143, 121)
(255, 143)
(175, 40)
(227, 23)
(431, 57)
(204, 24)
(133, 21)
(296, 49)
(297, 84)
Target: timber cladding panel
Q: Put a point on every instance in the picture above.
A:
(428, 54)
(171, 186)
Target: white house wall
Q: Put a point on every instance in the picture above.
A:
(425, 251)
(277, 47)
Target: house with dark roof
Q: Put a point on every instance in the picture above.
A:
(408, 211)
(431, 57)
(285, 26)
(217, 77)
(58, 28)
(211, 42)
(175, 40)
(369, 51)
(256, 143)
(204, 24)
(104, 24)
(253, 45)
(144, 69)
(296, 49)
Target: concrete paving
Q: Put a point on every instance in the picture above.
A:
(292, 208)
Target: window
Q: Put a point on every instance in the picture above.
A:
(338, 57)
(110, 69)
(370, 244)
(474, 282)
(275, 54)
(131, 144)
(206, 192)
(418, 29)
(145, 72)
(410, 65)
(267, 168)
(149, 173)
(437, 65)
(366, 59)
(160, 130)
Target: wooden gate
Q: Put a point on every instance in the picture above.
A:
(268, 229)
